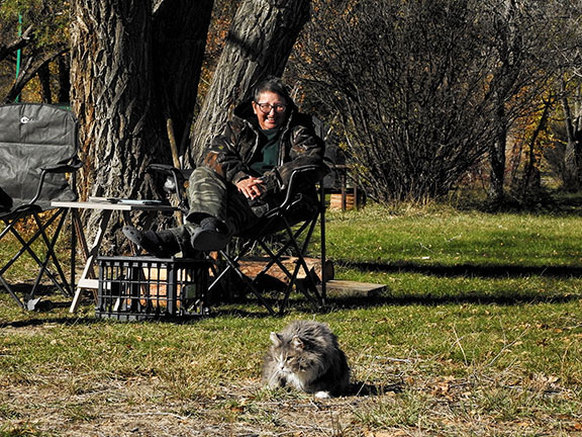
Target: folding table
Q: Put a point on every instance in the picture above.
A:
(107, 207)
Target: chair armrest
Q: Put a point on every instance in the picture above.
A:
(290, 197)
(63, 168)
(165, 168)
(170, 170)
(69, 167)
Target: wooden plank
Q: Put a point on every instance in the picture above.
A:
(343, 289)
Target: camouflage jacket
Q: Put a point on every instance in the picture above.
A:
(231, 153)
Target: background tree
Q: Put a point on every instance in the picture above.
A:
(406, 86)
(38, 31)
(518, 36)
(258, 44)
(549, 47)
(572, 122)
(423, 89)
(530, 137)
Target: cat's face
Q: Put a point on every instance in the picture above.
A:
(288, 355)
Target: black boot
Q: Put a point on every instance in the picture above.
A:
(162, 244)
(211, 235)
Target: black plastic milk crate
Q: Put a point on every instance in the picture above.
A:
(141, 288)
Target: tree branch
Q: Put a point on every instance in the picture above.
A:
(19, 43)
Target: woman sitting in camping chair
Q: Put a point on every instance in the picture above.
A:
(245, 172)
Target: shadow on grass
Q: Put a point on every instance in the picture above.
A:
(467, 270)
(249, 308)
(46, 320)
(366, 389)
(336, 303)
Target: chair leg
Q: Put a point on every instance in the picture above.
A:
(308, 286)
(233, 266)
(50, 255)
(12, 293)
(300, 253)
(26, 246)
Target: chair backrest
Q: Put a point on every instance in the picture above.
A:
(33, 136)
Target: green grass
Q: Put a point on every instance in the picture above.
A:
(449, 238)
(479, 333)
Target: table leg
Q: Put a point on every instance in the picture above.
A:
(91, 258)
(80, 234)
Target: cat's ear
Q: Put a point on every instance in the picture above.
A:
(297, 342)
(276, 339)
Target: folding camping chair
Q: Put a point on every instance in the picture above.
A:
(294, 222)
(38, 149)
(295, 230)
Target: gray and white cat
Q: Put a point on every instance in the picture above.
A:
(306, 356)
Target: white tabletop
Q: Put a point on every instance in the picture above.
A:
(116, 205)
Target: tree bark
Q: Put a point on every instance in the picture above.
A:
(572, 164)
(262, 35)
(111, 95)
(133, 67)
(179, 28)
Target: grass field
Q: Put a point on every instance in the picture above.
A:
(478, 334)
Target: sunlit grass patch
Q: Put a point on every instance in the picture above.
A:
(477, 333)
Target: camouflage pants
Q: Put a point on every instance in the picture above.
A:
(210, 195)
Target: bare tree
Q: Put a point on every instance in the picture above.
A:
(508, 55)
(525, 40)
(35, 33)
(258, 44)
(570, 83)
(572, 107)
(406, 84)
(424, 89)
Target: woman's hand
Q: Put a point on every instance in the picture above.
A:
(251, 187)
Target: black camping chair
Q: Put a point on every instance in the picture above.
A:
(293, 221)
(38, 150)
(295, 232)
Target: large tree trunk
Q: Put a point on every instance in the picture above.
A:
(129, 73)
(111, 95)
(179, 28)
(260, 40)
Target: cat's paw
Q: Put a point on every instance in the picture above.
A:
(322, 395)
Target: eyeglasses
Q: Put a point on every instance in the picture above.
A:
(266, 108)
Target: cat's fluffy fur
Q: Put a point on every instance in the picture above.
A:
(306, 356)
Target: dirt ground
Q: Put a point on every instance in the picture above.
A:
(136, 407)
(65, 406)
